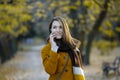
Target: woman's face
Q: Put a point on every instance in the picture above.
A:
(57, 29)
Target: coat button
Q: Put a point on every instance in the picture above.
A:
(65, 57)
(48, 55)
(66, 70)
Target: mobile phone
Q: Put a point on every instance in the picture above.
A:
(55, 39)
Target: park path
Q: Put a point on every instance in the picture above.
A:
(26, 65)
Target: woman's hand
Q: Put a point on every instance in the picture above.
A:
(54, 46)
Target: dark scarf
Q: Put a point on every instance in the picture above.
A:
(63, 47)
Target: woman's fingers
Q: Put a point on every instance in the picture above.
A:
(52, 36)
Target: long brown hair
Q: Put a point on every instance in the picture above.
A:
(67, 38)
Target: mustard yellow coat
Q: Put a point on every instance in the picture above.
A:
(54, 62)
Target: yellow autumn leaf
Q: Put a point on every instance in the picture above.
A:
(22, 30)
(101, 28)
(2, 29)
(108, 23)
(87, 3)
(40, 4)
(116, 18)
(52, 5)
(38, 14)
(97, 11)
(73, 7)
(30, 7)
(82, 21)
(77, 3)
(117, 28)
(110, 33)
(80, 16)
(92, 17)
(65, 8)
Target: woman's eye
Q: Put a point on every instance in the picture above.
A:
(54, 27)
(60, 27)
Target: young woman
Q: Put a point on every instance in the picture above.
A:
(60, 54)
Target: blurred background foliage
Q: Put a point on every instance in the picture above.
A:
(90, 21)
(14, 18)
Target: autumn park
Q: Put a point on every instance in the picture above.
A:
(24, 29)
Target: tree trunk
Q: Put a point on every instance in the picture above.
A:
(74, 17)
(91, 35)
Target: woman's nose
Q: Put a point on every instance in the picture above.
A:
(57, 29)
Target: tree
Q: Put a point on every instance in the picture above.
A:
(106, 9)
(14, 18)
(13, 22)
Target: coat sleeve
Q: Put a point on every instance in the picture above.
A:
(50, 59)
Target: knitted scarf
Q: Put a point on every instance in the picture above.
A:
(73, 53)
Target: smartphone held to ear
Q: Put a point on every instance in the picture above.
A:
(55, 39)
